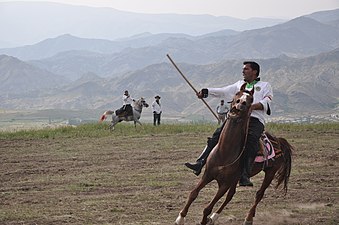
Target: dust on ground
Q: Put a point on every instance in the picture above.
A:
(142, 180)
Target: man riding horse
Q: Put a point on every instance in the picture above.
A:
(262, 98)
(127, 109)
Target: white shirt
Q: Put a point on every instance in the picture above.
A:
(222, 109)
(262, 94)
(127, 100)
(156, 107)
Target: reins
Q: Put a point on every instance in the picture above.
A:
(243, 148)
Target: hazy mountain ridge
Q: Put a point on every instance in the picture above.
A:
(17, 77)
(300, 37)
(300, 58)
(300, 85)
(325, 16)
(105, 23)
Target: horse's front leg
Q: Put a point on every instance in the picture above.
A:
(193, 195)
(269, 175)
(229, 197)
(135, 123)
(223, 187)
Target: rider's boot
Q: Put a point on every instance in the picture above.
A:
(201, 161)
(246, 172)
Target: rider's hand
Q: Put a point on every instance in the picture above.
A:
(200, 95)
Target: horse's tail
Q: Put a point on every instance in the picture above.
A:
(284, 171)
(104, 116)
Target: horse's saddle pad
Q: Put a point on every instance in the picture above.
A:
(266, 150)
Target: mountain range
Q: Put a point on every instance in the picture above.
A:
(300, 85)
(300, 58)
(25, 23)
(72, 56)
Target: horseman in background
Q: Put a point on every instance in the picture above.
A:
(126, 110)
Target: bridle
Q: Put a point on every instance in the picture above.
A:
(140, 103)
(238, 121)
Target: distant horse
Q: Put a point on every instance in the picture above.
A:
(223, 163)
(137, 109)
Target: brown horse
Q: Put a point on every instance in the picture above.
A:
(223, 163)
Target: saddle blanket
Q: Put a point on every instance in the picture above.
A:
(268, 150)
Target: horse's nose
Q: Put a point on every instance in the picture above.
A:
(241, 105)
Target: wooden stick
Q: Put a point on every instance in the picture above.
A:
(189, 83)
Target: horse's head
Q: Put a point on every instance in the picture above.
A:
(241, 103)
(139, 104)
(143, 102)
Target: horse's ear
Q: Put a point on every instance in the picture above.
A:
(242, 88)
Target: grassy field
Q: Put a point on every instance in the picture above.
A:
(135, 176)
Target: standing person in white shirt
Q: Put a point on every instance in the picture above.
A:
(156, 109)
(222, 111)
(260, 107)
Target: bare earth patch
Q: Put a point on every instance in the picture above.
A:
(142, 180)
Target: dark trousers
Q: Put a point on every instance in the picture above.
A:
(156, 118)
(255, 129)
(129, 109)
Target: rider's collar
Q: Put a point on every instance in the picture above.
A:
(250, 85)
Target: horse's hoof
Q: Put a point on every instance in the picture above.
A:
(248, 222)
(180, 220)
(213, 219)
(210, 222)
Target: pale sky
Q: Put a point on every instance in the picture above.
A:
(243, 9)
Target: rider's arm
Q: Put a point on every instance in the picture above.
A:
(267, 98)
(224, 92)
(257, 106)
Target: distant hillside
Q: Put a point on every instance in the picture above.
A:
(299, 57)
(30, 22)
(302, 85)
(299, 37)
(17, 77)
(53, 46)
(64, 43)
(325, 16)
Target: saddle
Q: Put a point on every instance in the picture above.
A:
(268, 149)
(122, 112)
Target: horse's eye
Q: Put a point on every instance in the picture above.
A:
(238, 100)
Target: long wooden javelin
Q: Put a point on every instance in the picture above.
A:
(189, 83)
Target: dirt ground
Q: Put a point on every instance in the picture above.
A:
(142, 180)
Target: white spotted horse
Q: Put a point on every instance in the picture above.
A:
(135, 116)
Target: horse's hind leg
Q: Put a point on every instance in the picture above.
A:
(269, 175)
(112, 125)
(193, 195)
